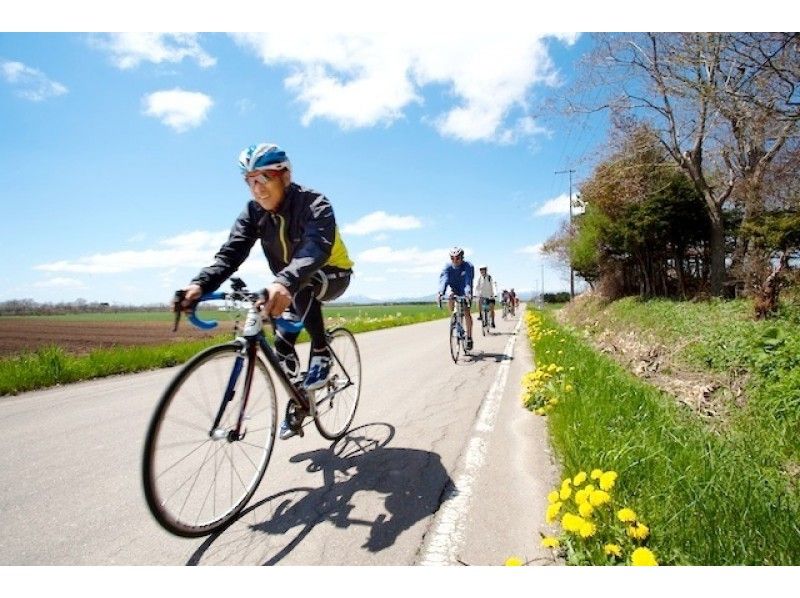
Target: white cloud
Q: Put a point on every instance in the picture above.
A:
(30, 83)
(559, 205)
(60, 283)
(365, 79)
(128, 50)
(194, 249)
(532, 250)
(181, 110)
(380, 221)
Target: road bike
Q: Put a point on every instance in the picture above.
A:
(210, 439)
(485, 317)
(457, 332)
(505, 310)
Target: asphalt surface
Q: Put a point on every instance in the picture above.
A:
(442, 465)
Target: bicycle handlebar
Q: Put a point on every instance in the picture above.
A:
(239, 292)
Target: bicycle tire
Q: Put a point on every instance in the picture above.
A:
(335, 403)
(183, 418)
(455, 342)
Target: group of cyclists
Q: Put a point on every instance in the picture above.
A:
(298, 234)
(458, 275)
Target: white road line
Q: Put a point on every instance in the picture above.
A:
(444, 541)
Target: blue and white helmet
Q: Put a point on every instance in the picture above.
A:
(264, 156)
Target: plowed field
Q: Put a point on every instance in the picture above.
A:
(28, 334)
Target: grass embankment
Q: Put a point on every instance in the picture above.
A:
(52, 365)
(710, 496)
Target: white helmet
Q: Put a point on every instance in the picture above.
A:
(456, 252)
(264, 156)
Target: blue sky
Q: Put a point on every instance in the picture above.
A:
(119, 152)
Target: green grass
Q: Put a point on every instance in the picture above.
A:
(52, 365)
(721, 336)
(420, 311)
(709, 498)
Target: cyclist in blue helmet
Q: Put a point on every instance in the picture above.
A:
(298, 234)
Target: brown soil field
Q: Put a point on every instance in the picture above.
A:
(28, 334)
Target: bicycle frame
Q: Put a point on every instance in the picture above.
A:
(459, 309)
(250, 341)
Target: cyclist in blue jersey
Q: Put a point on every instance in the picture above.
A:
(298, 234)
(458, 276)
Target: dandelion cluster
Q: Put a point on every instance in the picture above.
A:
(594, 531)
(544, 387)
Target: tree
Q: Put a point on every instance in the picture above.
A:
(723, 106)
(642, 216)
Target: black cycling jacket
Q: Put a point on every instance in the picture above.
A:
(298, 239)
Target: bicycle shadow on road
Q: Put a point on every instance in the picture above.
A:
(496, 357)
(408, 484)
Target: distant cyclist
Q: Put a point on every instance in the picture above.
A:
(298, 234)
(485, 291)
(504, 300)
(512, 300)
(458, 276)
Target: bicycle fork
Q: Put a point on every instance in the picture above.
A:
(237, 433)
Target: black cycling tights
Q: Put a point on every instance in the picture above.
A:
(306, 307)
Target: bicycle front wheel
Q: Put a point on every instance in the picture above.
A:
(336, 402)
(455, 341)
(197, 477)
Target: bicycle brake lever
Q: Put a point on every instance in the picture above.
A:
(176, 307)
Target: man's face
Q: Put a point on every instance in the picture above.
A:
(483, 271)
(268, 187)
(457, 260)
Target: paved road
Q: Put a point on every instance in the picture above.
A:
(443, 466)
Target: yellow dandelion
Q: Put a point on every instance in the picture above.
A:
(552, 497)
(539, 411)
(643, 557)
(566, 482)
(596, 473)
(638, 531)
(607, 480)
(587, 529)
(585, 509)
(514, 561)
(626, 515)
(568, 388)
(579, 479)
(552, 511)
(598, 498)
(572, 523)
(581, 496)
(550, 542)
(565, 493)
(613, 550)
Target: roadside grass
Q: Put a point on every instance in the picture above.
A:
(721, 336)
(709, 498)
(52, 365)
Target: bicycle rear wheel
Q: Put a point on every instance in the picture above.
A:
(455, 341)
(336, 402)
(197, 479)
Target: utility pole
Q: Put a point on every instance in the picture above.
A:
(571, 271)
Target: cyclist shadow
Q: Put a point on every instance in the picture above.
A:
(497, 357)
(412, 482)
